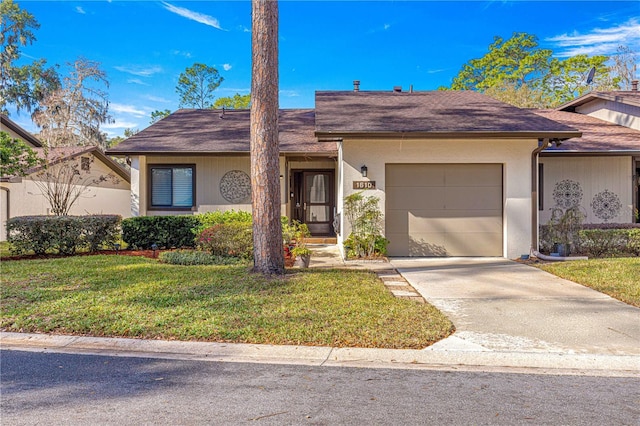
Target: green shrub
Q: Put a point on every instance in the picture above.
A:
(366, 219)
(633, 244)
(603, 242)
(358, 246)
(195, 257)
(227, 239)
(165, 231)
(209, 219)
(62, 234)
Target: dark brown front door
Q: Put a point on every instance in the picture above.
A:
(313, 200)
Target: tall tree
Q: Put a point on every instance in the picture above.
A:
(22, 86)
(268, 256)
(567, 79)
(158, 115)
(515, 61)
(238, 101)
(625, 66)
(196, 86)
(72, 115)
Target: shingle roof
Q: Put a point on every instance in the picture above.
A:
(429, 114)
(628, 97)
(191, 131)
(598, 136)
(58, 154)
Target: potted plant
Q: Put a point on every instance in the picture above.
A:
(300, 251)
(563, 228)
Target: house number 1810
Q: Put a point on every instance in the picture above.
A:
(364, 184)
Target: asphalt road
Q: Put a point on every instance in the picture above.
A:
(55, 389)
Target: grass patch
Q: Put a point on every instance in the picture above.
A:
(137, 297)
(4, 249)
(617, 277)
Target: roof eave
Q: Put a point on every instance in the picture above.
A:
(583, 153)
(558, 135)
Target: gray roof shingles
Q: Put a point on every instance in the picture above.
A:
(192, 131)
(436, 112)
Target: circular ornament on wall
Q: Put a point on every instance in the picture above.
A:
(235, 187)
(606, 205)
(567, 193)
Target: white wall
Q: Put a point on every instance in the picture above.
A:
(515, 155)
(613, 112)
(594, 174)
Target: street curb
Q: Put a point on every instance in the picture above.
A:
(434, 357)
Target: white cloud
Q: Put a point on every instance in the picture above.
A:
(157, 99)
(139, 70)
(227, 67)
(128, 109)
(181, 53)
(289, 93)
(599, 41)
(80, 10)
(194, 16)
(387, 26)
(137, 81)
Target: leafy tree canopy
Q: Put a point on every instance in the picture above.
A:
(519, 72)
(196, 86)
(236, 101)
(22, 86)
(16, 157)
(158, 115)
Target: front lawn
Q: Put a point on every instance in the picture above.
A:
(137, 297)
(617, 277)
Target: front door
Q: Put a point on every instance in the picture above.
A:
(313, 200)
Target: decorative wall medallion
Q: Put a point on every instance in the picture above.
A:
(606, 205)
(235, 187)
(567, 194)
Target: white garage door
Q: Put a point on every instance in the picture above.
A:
(444, 209)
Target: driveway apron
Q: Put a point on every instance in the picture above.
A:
(501, 305)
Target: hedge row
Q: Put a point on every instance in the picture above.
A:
(600, 240)
(62, 234)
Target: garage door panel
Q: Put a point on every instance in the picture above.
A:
(477, 198)
(454, 221)
(473, 175)
(444, 209)
(474, 244)
(416, 175)
(408, 198)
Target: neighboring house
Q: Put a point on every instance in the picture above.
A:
(600, 172)
(21, 196)
(455, 172)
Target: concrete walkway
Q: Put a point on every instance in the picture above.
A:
(509, 317)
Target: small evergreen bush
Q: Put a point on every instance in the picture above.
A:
(165, 231)
(227, 239)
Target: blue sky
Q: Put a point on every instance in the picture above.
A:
(324, 45)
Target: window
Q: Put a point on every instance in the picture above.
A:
(172, 186)
(85, 163)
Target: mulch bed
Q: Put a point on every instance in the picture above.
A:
(145, 253)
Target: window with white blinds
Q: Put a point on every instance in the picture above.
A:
(172, 186)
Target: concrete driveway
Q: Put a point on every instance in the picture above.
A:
(501, 305)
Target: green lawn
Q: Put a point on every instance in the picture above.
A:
(137, 297)
(617, 277)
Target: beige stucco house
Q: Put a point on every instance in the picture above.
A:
(22, 196)
(599, 172)
(455, 172)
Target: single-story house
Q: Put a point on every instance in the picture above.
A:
(23, 196)
(598, 172)
(455, 172)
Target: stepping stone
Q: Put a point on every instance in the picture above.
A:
(403, 293)
(396, 284)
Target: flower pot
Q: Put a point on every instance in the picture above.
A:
(563, 250)
(302, 261)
